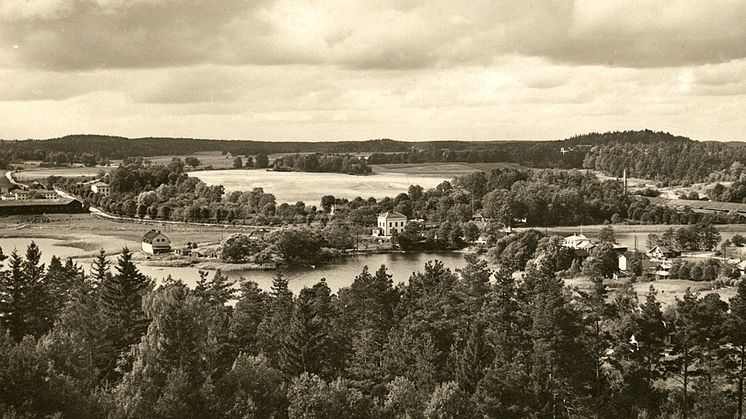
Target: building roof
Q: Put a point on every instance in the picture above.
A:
(35, 202)
(4, 182)
(576, 237)
(150, 235)
(99, 183)
(392, 214)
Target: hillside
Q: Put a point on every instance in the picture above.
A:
(645, 154)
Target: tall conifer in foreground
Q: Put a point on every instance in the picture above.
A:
(121, 304)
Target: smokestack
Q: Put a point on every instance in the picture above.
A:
(624, 175)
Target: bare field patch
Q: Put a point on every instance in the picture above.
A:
(668, 290)
(31, 173)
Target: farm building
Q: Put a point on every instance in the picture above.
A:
(41, 206)
(5, 185)
(155, 242)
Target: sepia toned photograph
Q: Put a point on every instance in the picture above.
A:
(380, 209)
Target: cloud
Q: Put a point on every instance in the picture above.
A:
(388, 34)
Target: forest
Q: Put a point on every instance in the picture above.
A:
(316, 162)
(112, 343)
(660, 156)
(645, 154)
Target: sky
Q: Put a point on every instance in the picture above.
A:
(351, 69)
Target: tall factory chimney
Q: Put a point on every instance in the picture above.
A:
(624, 177)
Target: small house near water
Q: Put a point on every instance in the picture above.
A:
(154, 242)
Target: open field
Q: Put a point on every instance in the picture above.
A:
(88, 234)
(310, 187)
(668, 289)
(216, 159)
(447, 170)
(35, 173)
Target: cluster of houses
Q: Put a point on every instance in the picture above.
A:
(656, 261)
(13, 192)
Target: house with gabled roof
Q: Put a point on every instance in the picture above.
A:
(154, 242)
(390, 222)
(662, 253)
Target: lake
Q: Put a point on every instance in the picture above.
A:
(310, 187)
(338, 275)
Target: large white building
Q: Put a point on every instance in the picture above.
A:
(154, 242)
(101, 188)
(391, 222)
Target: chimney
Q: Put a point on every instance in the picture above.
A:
(624, 175)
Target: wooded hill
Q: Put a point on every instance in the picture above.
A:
(647, 154)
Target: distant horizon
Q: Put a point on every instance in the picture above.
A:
(358, 139)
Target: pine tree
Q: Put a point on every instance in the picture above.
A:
(736, 336)
(25, 304)
(276, 322)
(39, 303)
(216, 291)
(13, 297)
(121, 304)
(247, 316)
(100, 267)
(310, 345)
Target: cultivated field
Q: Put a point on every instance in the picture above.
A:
(447, 170)
(310, 187)
(32, 173)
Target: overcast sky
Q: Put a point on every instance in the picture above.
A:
(349, 69)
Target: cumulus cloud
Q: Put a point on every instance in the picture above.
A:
(315, 69)
(82, 34)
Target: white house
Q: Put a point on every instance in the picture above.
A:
(578, 242)
(391, 222)
(622, 259)
(101, 188)
(155, 242)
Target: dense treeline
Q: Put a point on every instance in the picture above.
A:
(647, 154)
(538, 154)
(329, 163)
(444, 345)
(659, 156)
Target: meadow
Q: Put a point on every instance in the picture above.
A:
(310, 187)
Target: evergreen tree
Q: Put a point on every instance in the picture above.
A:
(100, 267)
(216, 291)
(13, 297)
(736, 335)
(39, 303)
(276, 323)
(562, 366)
(310, 345)
(247, 316)
(121, 305)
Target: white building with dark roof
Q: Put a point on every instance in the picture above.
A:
(101, 188)
(391, 222)
(155, 242)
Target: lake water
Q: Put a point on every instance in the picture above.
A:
(339, 274)
(310, 187)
